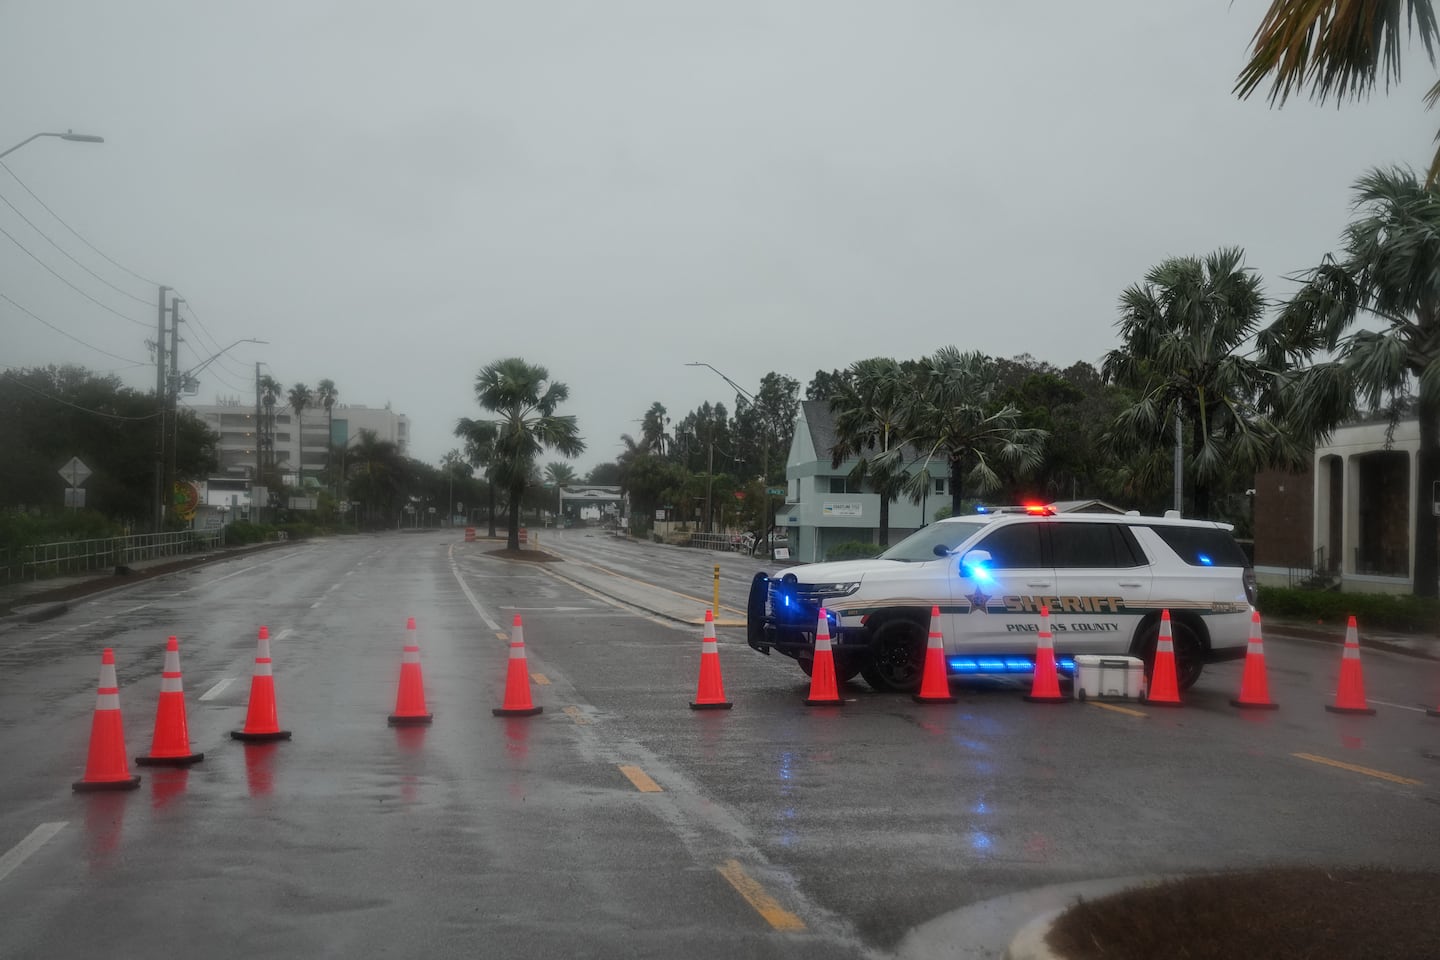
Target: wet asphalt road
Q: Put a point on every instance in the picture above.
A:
(776, 830)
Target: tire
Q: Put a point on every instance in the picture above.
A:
(898, 655)
(1189, 652)
(846, 668)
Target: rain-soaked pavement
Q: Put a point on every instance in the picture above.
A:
(619, 822)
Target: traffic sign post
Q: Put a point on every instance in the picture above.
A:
(74, 473)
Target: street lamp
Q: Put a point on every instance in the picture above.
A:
(67, 135)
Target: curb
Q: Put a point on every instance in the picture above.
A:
(1029, 942)
(36, 612)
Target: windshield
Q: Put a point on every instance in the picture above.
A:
(920, 545)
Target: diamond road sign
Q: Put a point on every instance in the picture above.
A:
(75, 472)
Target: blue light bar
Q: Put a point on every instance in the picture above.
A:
(1018, 665)
(993, 665)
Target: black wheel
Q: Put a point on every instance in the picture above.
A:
(1189, 652)
(898, 655)
(846, 668)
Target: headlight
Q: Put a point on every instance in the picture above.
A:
(835, 589)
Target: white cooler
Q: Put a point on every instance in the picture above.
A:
(1117, 678)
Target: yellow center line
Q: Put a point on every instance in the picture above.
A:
(1378, 774)
(540, 679)
(1125, 710)
(502, 635)
(574, 714)
(641, 779)
(755, 895)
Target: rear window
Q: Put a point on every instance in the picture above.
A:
(1203, 546)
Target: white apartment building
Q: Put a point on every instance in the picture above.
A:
(234, 419)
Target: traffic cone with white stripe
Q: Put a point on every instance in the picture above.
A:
(410, 699)
(105, 767)
(262, 719)
(710, 693)
(170, 746)
(935, 681)
(1164, 691)
(517, 678)
(1046, 686)
(1254, 687)
(824, 691)
(1350, 695)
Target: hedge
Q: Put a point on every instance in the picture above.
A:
(1384, 611)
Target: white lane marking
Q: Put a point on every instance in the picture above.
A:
(141, 607)
(283, 633)
(218, 689)
(349, 573)
(333, 588)
(315, 604)
(489, 622)
(37, 838)
(211, 583)
(547, 609)
(1398, 706)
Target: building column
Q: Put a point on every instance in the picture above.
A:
(1417, 502)
(1350, 513)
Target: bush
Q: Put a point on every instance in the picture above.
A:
(853, 550)
(242, 532)
(1385, 611)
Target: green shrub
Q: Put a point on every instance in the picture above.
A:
(1384, 611)
(242, 532)
(853, 550)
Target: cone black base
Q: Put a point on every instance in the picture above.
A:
(419, 720)
(1163, 703)
(919, 699)
(260, 737)
(1029, 698)
(822, 703)
(1254, 706)
(181, 761)
(1363, 711)
(516, 711)
(723, 705)
(85, 786)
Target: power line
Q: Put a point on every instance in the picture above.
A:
(214, 343)
(99, 413)
(63, 333)
(72, 230)
(218, 375)
(72, 286)
(21, 215)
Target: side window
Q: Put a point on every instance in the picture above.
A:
(1091, 546)
(1015, 546)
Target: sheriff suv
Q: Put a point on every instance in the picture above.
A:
(1104, 577)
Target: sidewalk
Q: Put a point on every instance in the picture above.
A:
(32, 601)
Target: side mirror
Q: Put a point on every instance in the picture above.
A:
(941, 550)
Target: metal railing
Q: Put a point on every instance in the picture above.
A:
(79, 556)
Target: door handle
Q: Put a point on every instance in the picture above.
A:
(1037, 583)
(1137, 584)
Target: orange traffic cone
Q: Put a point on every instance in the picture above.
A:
(170, 746)
(935, 681)
(410, 700)
(262, 721)
(1350, 695)
(1164, 691)
(105, 767)
(710, 694)
(1046, 687)
(517, 678)
(824, 691)
(1254, 687)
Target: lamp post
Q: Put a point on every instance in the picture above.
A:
(67, 135)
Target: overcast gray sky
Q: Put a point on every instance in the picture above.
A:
(395, 194)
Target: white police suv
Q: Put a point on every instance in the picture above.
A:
(1104, 577)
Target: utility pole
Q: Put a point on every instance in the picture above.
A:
(172, 395)
(160, 391)
(1179, 463)
(709, 478)
(259, 480)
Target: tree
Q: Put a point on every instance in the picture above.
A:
(1387, 272)
(654, 429)
(479, 437)
(300, 397)
(826, 383)
(958, 416)
(326, 395)
(525, 400)
(1181, 332)
(558, 473)
(377, 476)
(270, 394)
(765, 425)
(604, 474)
(872, 408)
(1338, 48)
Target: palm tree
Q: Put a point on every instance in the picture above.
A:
(1386, 272)
(871, 406)
(1339, 48)
(479, 437)
(270, 394)
(525, 400)
(958, 416)
(1180, 334)
(300, 397)
(377, 474)
(326, 395)
(653, 429)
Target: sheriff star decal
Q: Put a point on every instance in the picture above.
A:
(979, 601)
